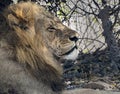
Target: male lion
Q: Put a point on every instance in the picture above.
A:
(30, 41)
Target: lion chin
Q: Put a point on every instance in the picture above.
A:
(30, 39)
(72, 55)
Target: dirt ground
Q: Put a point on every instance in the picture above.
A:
(88, 91)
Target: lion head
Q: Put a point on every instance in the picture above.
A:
(34, 37)
(56, 36)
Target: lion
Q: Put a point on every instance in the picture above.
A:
(31, 42)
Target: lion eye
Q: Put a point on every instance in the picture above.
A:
(51, 29)
(23, 27)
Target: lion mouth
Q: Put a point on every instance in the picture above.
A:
(70, 51)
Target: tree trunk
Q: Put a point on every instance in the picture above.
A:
(114, 51)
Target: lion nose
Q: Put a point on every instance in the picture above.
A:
(74, 38)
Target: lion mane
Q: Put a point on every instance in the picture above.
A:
(26, 64)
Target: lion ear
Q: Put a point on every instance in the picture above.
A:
(12, 20)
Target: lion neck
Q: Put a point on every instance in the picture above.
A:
(36, 58)
(41, 64)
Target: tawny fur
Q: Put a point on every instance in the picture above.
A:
(26, 65)
(30, 40)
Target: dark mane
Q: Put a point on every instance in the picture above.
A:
(28, 50)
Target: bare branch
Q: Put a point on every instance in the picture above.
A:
(96, 4)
